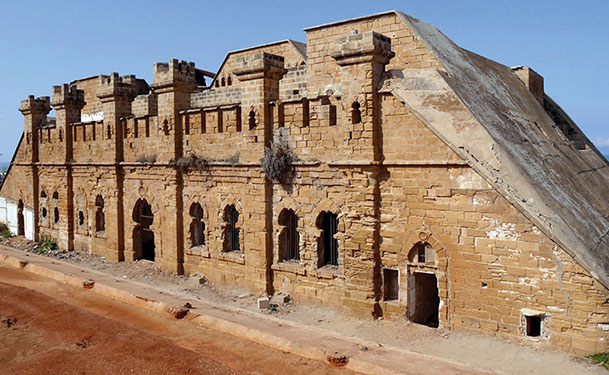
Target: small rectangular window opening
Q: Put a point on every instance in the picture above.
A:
(332, 115)
(391, 286)
(533, 328)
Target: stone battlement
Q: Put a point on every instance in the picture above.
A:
(259, 64)
(116, 86)
(348, 48)
(174, 72)
(40, 105)
(67, 94)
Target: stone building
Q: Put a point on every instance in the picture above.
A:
(423, 182)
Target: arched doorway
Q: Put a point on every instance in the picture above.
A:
(143, 236)
(20, 219)
(423, 295)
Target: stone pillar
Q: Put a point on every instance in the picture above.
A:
(362, 59)
(260, 73)
(67, 101)
(34, 112)
(173, 83)
(116, 94)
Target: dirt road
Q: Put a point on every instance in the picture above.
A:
(51, 328)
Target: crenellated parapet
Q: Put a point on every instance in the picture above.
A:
(34, 112)
(32, 105)
(116, 88)
(259, 65)
(356, 48)
(67, 95)
(178, 74)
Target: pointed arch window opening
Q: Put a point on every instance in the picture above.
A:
(197, 226)
(231, 231)
(289, 238)
(100, 216)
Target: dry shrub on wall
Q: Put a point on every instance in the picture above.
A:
(201, 163)
(149, 159)
(191, 162)
(277, 162)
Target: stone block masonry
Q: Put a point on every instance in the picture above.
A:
(380, 212)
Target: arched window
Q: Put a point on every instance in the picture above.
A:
(217, 83)
(43, 202)
(143, 235)
(56, 209)
(100, 216)
(20, 219)
(422, 253)
(231, 232)
(327, 243)
(229, 80)
(165, 127)
(197, 226)
(288, 237)
(81, 218)
(223, 82)
(252, 120)
(356, 114)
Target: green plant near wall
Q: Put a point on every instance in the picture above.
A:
(601, 358)
(4, 231)
(47, 244)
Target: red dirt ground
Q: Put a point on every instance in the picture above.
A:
(60, 329)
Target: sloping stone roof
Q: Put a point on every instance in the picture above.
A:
(485, 113)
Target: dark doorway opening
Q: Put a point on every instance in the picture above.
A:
(424, 299)
(143, 236)
(391, 285)
(20, 219)
(534, 325)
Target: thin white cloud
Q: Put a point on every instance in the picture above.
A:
(601, 141)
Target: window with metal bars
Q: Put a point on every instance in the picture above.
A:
(289, 237)
(231, 232)
(328, 244)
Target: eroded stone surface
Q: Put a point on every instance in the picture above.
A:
(421, 157)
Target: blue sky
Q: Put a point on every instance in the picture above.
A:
(48, 43)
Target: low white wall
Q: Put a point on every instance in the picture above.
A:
(8, 216)
(28, 214)
(11, 216)
(3, 218)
